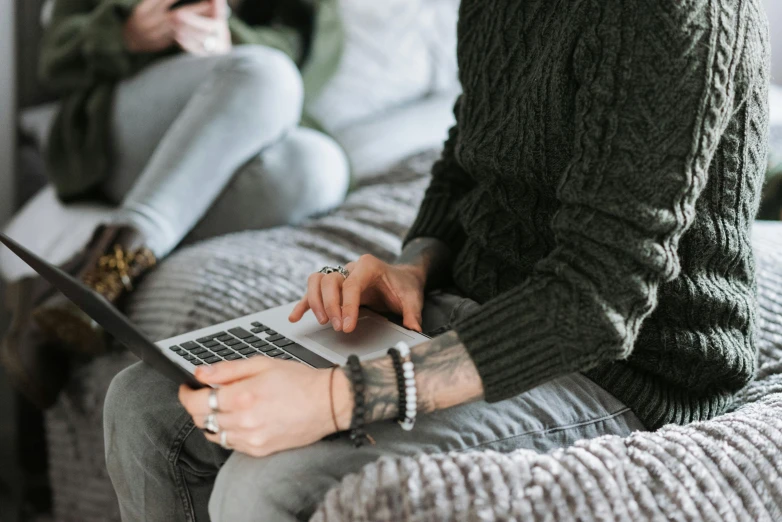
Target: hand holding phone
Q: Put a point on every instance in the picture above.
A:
(151, 26)
(203, 34)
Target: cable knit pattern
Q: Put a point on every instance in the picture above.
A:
(599, 188)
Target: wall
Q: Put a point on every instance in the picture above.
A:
(774, 10)
(7, 127)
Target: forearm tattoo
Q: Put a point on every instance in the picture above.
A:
(431, 254)
(445, 377)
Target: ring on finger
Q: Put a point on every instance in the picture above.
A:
(344, 272)
(211, 425)
(214, 405)
(224, 440)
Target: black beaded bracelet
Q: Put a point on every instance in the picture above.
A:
(396, 359)
(356, 375)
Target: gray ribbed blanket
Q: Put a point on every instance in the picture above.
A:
(242, 273)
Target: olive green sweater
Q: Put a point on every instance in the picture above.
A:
(599, 188)
(83, 57)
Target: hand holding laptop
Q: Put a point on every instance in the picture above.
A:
(269, 405)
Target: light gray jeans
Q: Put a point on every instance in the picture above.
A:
(163, 468)
(193, 135)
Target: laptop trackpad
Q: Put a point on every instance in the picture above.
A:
(372, 336)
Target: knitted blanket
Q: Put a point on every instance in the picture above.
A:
(234, 275)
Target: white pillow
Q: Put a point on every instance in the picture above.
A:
(775, 105)
(396, 51)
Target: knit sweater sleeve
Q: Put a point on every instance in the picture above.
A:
(437, 215)
(84, 44)
(651, 105)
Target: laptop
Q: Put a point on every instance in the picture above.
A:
(263, 334)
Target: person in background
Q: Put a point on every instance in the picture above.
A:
(581, 259)
(172, 110)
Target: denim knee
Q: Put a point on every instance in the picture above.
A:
(272, 488)
(267, 78)
(139, 417)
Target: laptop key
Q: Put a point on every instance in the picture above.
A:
(260, 344)
(189, 345)
(275, 337)
(196, 362)
(213, 359)
(267, 348)
(224, 337)
(233, 357)
(251, 339)
(175, 348)
(224, 352)
(285, 357)
(188, 357)
(205, 339)
(241, 333)
(199, 350)
(258, 329)
(246, 350)
(270, 331)
(283, 342)
(274, 353)
(257, 324)
(211, 343)
(254, 354)
(231, 342)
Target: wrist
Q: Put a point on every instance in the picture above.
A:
(417, 270)
(129, 40)
(343, 400)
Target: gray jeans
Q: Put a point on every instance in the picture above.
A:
(192, 134)
(163, 468)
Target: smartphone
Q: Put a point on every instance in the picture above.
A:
(180, 3)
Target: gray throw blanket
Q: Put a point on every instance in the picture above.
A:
(728, 463)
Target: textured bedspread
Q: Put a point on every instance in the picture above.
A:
(727, 467)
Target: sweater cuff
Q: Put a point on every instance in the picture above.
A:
(104, 42)
(513, 351)
(435, 220)
(285, 39)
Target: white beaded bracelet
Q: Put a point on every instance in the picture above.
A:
(411, 392)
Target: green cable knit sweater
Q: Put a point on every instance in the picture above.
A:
(599, 188)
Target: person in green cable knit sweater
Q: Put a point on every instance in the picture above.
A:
(581, 259)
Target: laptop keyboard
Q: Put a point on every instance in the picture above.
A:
(238, 343)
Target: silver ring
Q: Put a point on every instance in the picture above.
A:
(344, 272)
(213, 404)
(224, 440)
(209, 44)
(210, 424)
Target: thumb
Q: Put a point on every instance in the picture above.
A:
(411, 314)
(219, 9)
(227, 372)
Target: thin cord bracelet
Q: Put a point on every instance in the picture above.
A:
(331, 398)
(411, 391)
